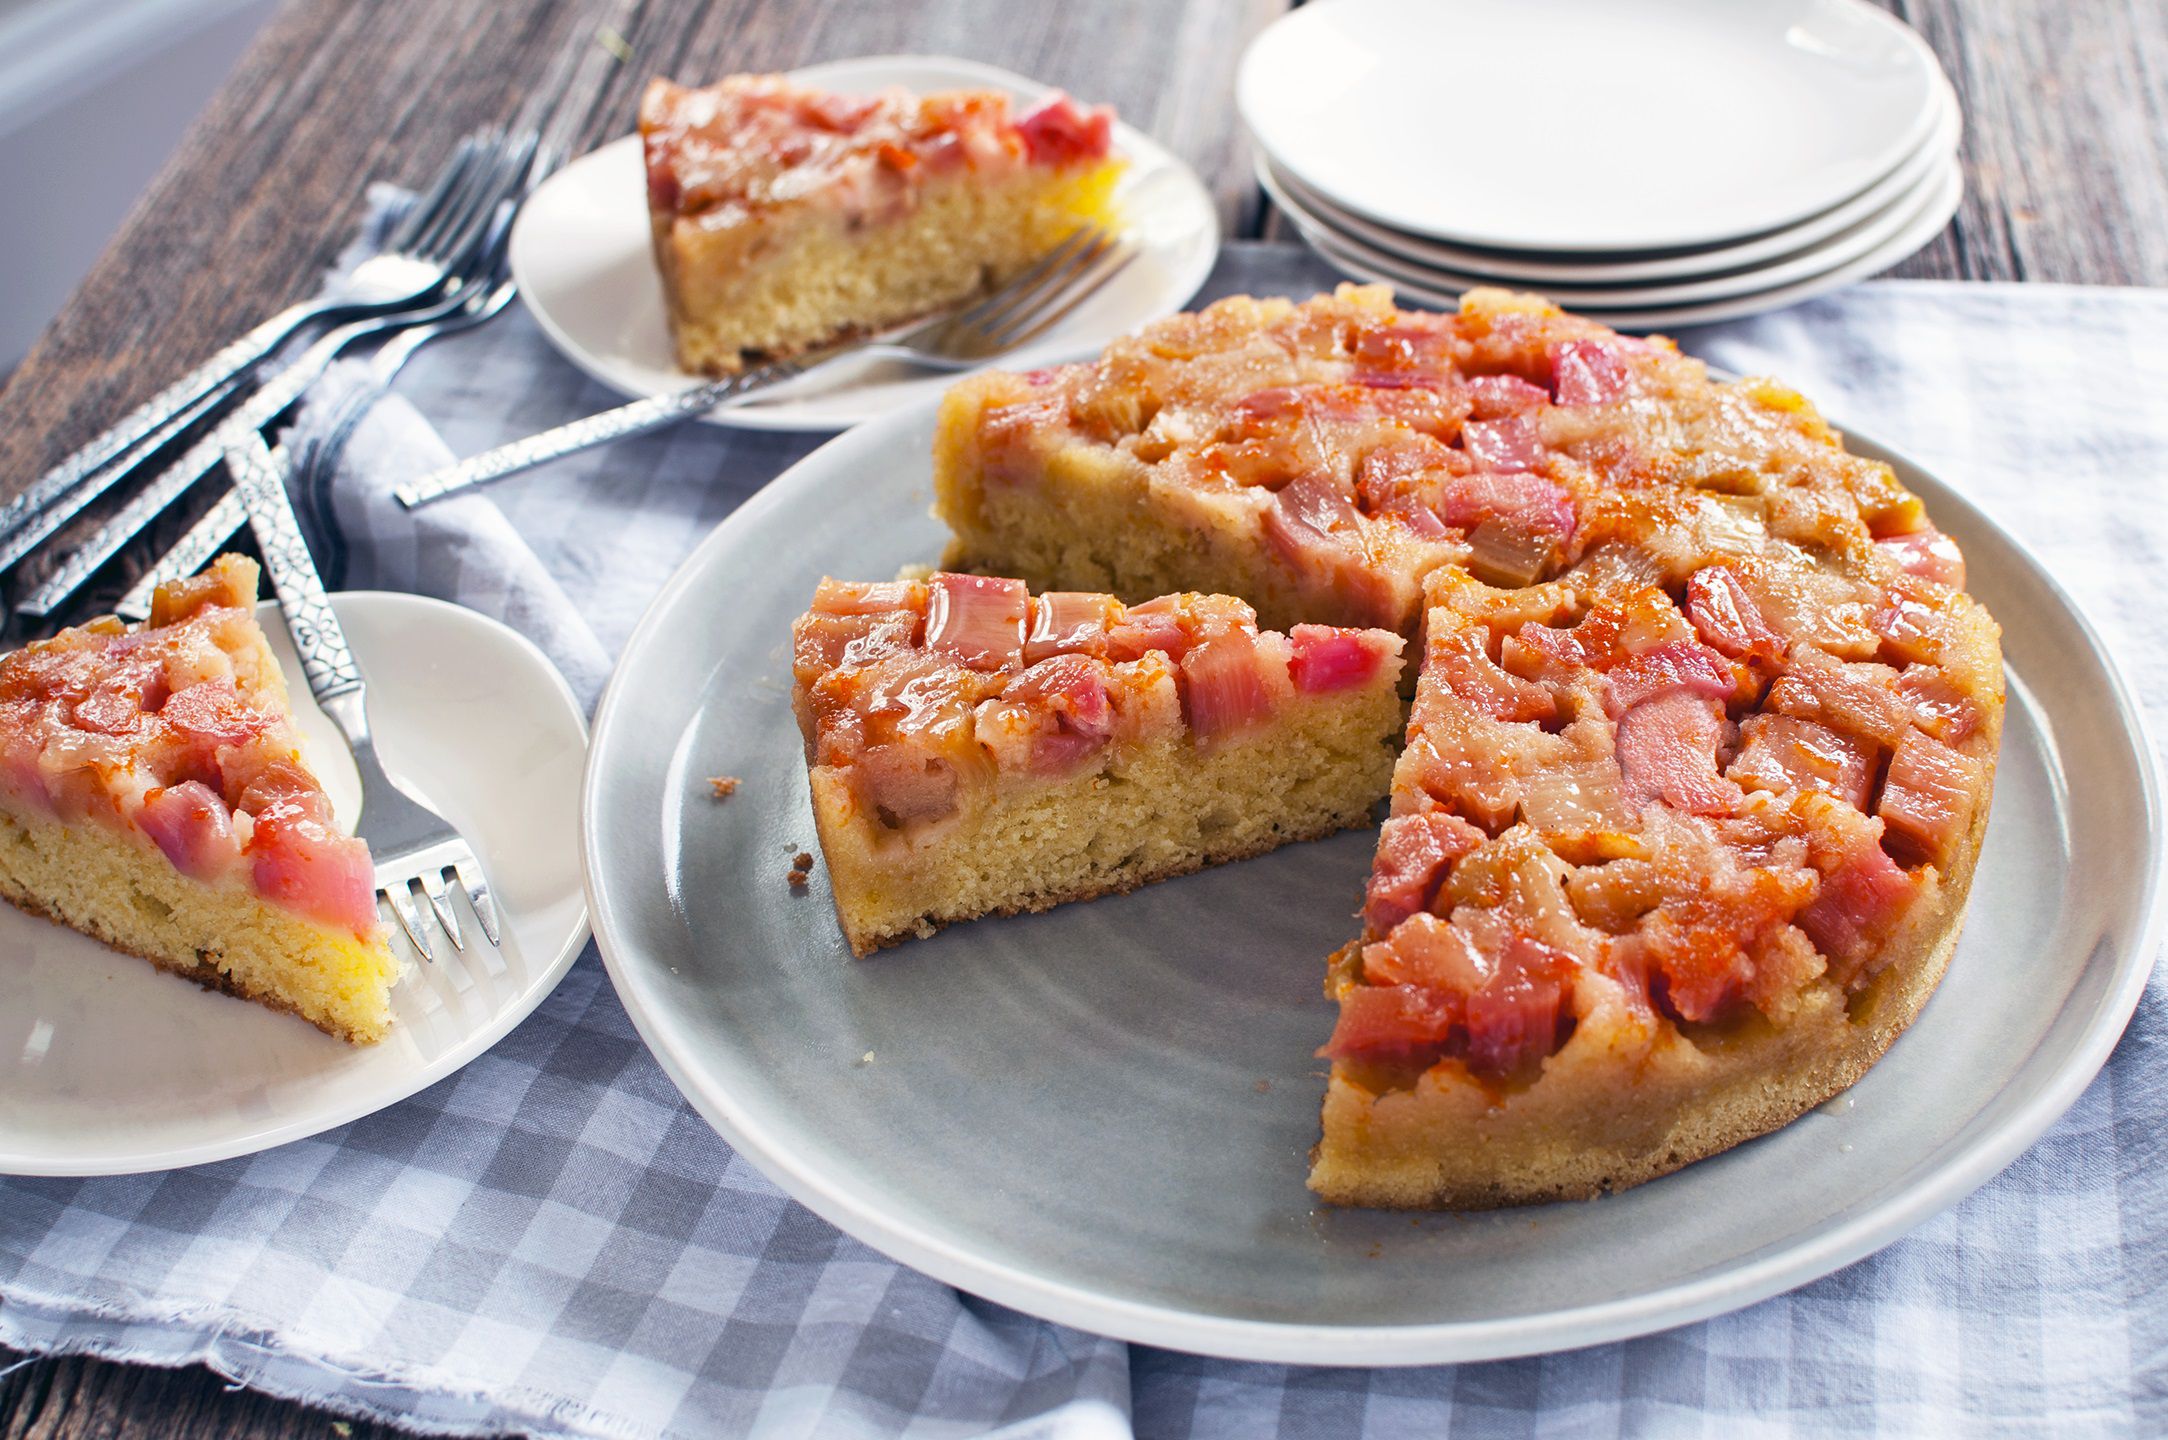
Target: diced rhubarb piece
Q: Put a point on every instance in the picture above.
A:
(1913, 630)
(1587, 372)
(1385, 1024)
(1859, 698)
(22, 775)
(850, 597)
(1513, 1021)
(1667, 754)
(1927, 797)
(297, 860)
(1727, 616)
(1330, 657)
(1535, 505)
(1497, 396)
(1066, 622)
(1224, 687)
(1430, 951)
(1156, 625)
(1315, 526)
(1502, 552)
(1067, 695)
(192, 825)
(1414, 852)
(1938, 706)
(1509, 444)
(1676, 665)
(1782, 752)
(1058, 131)
(1928, 553)
(1459, 662)
(1860, 901)
(977, 620)
(904, 784)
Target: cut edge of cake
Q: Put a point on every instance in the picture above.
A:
(246, 923)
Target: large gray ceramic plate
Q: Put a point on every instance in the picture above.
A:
(1100, 1115)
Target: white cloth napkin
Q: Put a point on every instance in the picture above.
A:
(553, 1242)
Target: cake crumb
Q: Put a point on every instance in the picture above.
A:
(865, 1060)
(1263, 1087)
(724, 786)
(803, 860)
(801, 870)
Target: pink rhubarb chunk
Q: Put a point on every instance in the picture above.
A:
(977, 620)
(1667, 754)
(191, 824)
(1330, 657)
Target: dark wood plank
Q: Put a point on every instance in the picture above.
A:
(76, 1398)
(2065, 147)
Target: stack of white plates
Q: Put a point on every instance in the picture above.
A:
(1652, 164)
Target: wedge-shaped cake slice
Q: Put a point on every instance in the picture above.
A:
(978, 750)
(153, 795)
(785, 217)
(1679, 844)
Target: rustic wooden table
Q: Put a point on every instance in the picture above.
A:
(2066, 170)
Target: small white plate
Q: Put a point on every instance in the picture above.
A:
(1926, 224)
(1513, 268)
(1869, 237)
(582, 255)
(1588, 125)
(109, 1067)
(1100, 1114)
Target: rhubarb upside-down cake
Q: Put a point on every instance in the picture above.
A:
(1703, 738)
(785, 217)
(976, 749)
(154, 796)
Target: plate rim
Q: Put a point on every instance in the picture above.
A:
(451, 1062)
(1513, 266)
(1906, 211)
(1886, 160)
(1974, 1163)
(1899, 248)
(783, 418)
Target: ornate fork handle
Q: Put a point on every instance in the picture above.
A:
(155, 414)
(260, 409)
(325, 657)
(601, 428)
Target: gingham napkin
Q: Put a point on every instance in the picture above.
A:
(553, 1242)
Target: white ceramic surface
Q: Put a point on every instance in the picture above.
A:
(1879, 201)
(1100, 1114)
(108, 1066)
(1588, 125)
(1870, 237)
(581, 253)
(1925, 226)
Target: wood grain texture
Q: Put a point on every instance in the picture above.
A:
(2066, 154)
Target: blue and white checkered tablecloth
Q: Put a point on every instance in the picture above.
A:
(553, 1242)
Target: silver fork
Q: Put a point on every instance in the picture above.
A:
(262, 408)
(415, 848)
(221, 522)
(424, 252)
(1013, 316)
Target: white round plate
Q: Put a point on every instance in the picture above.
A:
(1587, 125)
(110, 1067)
(1101, 1114)
(1882, 198)
(1870, 236)
(582, 255)
(1925, 225)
